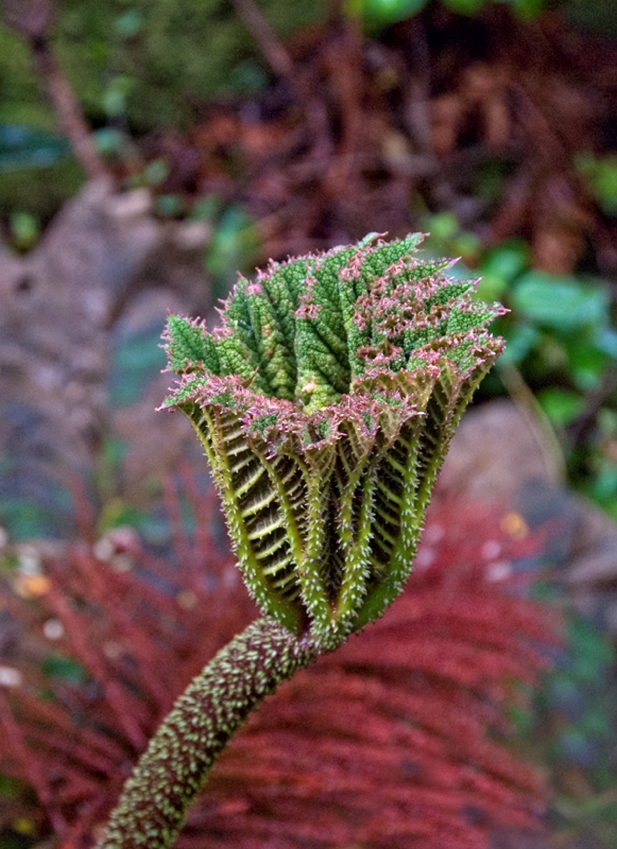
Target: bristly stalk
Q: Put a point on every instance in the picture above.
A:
(215, 704)
(325, 403)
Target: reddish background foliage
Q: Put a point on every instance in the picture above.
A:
(360, 130)
(381, 743)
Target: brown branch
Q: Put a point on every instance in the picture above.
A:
(34, 21)
(67, 109)
(274, 52)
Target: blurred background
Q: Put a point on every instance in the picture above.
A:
(150, 149)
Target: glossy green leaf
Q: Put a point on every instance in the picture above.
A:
(521, 339)
(383, 12)
(507, 261)
(560, 405)
(562, 303)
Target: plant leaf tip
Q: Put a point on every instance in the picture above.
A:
(325, 403)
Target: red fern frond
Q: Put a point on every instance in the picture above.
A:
(383, 743)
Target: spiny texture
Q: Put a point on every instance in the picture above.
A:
(326, 403)
(207, 714)
(383, 743)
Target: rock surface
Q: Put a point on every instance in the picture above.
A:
(62, 305)
(499, 454)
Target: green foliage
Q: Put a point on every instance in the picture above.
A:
(571, 330)
(27, 520)
(601, 175)
(58, 666)
(37, 173)
(233, 245)
(189, 345)
(379, 13)
(559, 302)
(560, 329)
(150, 63)
(20, 94)
(24, 229)
(118, 513)
(383, 12)
(561, 406)
(464, 7)
(562, 335)
(587, 13)
(23, 147)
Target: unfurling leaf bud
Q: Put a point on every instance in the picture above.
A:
(326, 402)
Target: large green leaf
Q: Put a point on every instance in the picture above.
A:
(562, 303)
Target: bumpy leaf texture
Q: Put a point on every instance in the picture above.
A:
(383, 743)
(326, 402)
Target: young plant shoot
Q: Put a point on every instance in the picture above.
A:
(325, 403)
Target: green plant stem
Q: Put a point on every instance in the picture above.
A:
(216, 703)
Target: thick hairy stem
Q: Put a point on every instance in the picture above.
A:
(216, 703)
